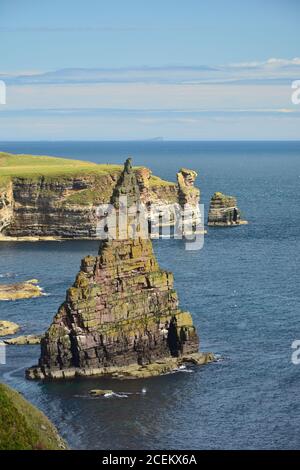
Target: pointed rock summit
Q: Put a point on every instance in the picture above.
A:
(121, 316)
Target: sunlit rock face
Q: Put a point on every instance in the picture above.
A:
(122, 309)
(65, 206)
(223, 211)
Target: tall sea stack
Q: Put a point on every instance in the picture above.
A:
(121, 313)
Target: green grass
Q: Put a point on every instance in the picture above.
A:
(156, 181)
(33, 167)
(24, 427)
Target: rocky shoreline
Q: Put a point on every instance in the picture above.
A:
(131, 371)
(45, 205)
(8, 328)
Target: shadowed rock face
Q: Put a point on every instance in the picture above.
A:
(122, 309)
(223, 211)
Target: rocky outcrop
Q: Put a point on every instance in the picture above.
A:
(187, 192)
(45, 206)
(167, 365)
(223, 211)
(6, 205)
(23, 340)
(121, 311)
(21, 290)
(8, 328)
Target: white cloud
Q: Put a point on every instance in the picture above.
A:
(270, 69)
(173, 101)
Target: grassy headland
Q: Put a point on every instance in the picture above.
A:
(24, 427)
(34, 166)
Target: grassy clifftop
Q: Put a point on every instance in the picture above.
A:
(24, 427)
(33, 166)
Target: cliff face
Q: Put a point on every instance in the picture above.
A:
(6, 206)
(187, 192)
(66, 206)
(122, 310)
(223, 211)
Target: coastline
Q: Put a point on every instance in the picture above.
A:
(132, 371)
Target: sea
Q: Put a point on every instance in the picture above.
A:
(242, 289)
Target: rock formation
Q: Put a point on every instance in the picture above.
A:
(223, 211)
(23, 426)
(23, 340)
(6, 206)
(20, 290)
(187, 192)
(8, 328)
(122, 311)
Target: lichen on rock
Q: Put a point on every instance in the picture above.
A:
(24, 340)
(46, 198)
(20, 290)
(8, 328)
(122, 311)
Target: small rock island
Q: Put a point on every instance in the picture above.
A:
(23, 426)
(121, 317)
(20, 290)
(223, 211)
(8, 328)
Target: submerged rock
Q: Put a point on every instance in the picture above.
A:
(122, 312)
(100, 393)
(223, 211)
(24, 340)
(8, 328)
(21, 290)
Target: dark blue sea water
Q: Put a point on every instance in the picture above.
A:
(242, 289)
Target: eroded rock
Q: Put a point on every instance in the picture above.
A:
(121, 312)
(223, 211)
(8, 328)
(21, 290)
(100, 393)
(24, 340)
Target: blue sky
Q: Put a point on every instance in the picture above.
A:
(140, 69)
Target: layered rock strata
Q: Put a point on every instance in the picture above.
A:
(21, 290)
(121, 311)
(43, 206)
(223, 211)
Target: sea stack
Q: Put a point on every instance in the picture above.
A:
(223, 211)
(121, 316)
